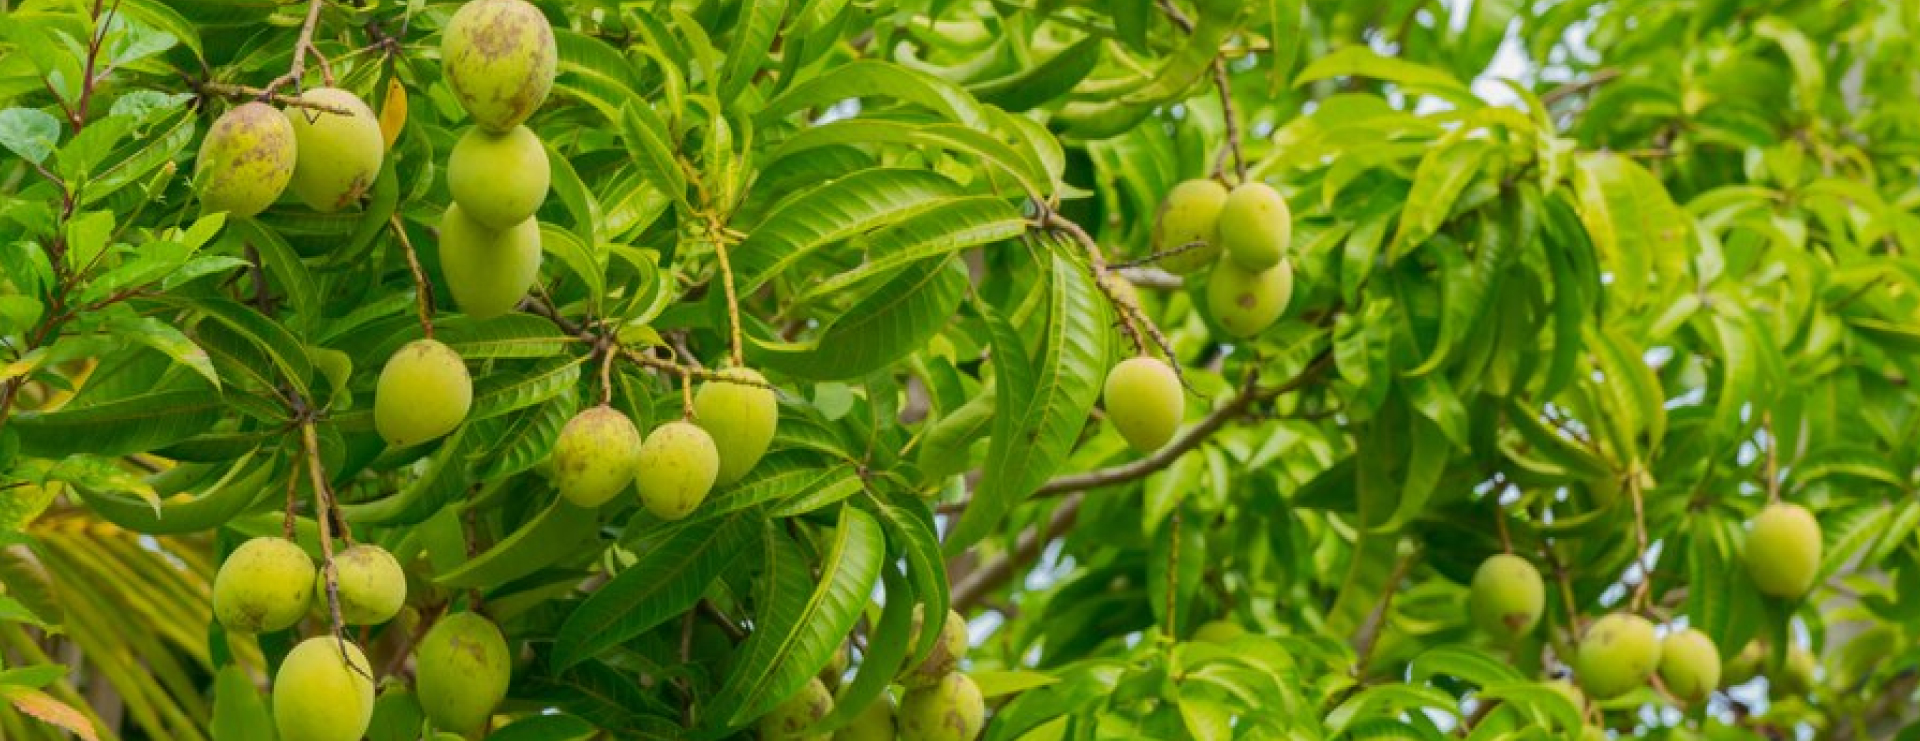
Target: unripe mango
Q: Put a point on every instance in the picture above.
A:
(499, 57)
(1219, 631)
(1143, 402)
(246, 160)
(741, 419)
(319, 696)
(949, 710)
(1256, 228)
(1246, 302)
(595, 456)
(1190, 213)
(945, 657)
(372, 585)
(424, 392)
(1507, 597)
(1797, 676)
(678, 463)
(498, 179)
(1743, 666)
(461, 669)
(1689, 665)
(338, 157)
(1618, 654)
(1783, 550)
(791, 718)
(488, 271)
(872, 724)
(262, 586)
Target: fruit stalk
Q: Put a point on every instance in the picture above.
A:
(324, 502)
(246, 92)
(423, 291)
(733, 302)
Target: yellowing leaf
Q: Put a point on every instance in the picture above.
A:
(42, 706)
(393, 111)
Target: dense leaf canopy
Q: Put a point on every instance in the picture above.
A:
(1586, 283)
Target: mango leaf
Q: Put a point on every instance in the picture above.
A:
(558, 531)
(797, 629)
(1444, 172)
(868, 78)
(808, 222)
(1415, 78)
(238, 711)
(753, 35)
(954, 137)
(46, 709)
(132, 424)
(674, 569)
(1635, 226)
(1045, 397)
(893, 321)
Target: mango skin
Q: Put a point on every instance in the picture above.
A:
(1743, 666)
(1219, 631)
(373, 587)
(789, 720)
(1256, 227)
(945, 657)
(1797, 676)
(498, 179)
(1618, 654)
(499, 57)
(949, 710)
(488, 271)
(740, 418)
(1507, 596)
(872, 724)
(423, 393)
(262, 586)
(1783, 550)
(1144, 402)
(595, 456)
(461, 670)
(246, 160)
(338, 157)
(319, 697)
(1246, 302)
(1689, 665)
(678, 464)
(1190, 213)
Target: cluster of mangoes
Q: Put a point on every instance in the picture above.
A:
(1243, 237)
(600, 450)
(940, 704)
(323, 690)
(254, 152)
(1621, 651)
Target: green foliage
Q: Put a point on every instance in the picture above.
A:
(1584, 288)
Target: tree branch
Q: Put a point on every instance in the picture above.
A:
(990, 576)
(1249, 393)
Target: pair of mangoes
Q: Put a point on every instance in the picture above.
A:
(324, 688)
(268, 584)
(254, 152)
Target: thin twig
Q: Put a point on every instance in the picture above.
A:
(1131, 317)
(992, 574)
(733, 302)
(1368, 635)
(323, 504)
(1232, 147)
(1641, 590)
(423, 290)
(244, 92)
(1773, 459)
(298, 71)
(1597, 79)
